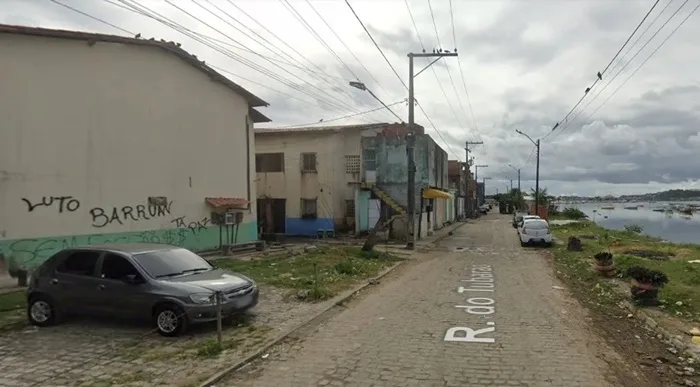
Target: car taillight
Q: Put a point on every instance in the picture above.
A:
(524, 230)
(548, 232)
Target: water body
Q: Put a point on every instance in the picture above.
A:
(673, 227)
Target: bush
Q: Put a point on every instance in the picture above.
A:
(647, 276)
(633, 228)
(573, 213)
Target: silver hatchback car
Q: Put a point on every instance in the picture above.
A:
(171, 286)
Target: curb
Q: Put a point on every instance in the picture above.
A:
(440, 238)
(689, 349)
(261, 351)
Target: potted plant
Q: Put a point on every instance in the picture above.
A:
(604, 264)
(646, 284)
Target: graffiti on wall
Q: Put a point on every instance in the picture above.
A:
(101, 216)
(35, 250)
(184, 231)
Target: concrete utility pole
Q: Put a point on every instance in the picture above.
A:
(411, 139)
(537, 173)
(516, 170)
(511, 184)
(467, 199)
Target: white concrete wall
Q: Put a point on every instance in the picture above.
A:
(109, 125)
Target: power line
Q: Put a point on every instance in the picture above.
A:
(611, 80)
(92, 17)
(346, 47)
(645, 60)
(229, 37)
(432, 16)
(376, 45)
(464, 83)
(145, 11)
(323, 121)
(600, 74)
(628, 62)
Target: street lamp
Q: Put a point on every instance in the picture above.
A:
(516, 170)
(363, 87)
(537, 173)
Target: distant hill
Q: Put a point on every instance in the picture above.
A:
(665, 196)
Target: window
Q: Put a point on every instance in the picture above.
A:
(308, 208)
(116, 267)
(370, 159)
(269, 162)
(165, 263)
(79, 263)
(350, 208)
(352, 164)
(308, 162)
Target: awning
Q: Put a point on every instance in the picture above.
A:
(432, 193)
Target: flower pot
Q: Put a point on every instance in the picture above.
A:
(606, 268)
(644, 294)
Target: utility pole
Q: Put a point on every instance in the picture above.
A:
(411, 138)
(537, 173)
(516, 170)
(467, 199)
(511, 184)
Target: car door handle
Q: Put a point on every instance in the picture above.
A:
(101, 287)
(54, 281)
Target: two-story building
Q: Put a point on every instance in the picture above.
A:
(385, 173)
(307, 177)
(108, 139)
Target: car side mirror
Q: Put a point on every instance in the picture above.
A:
(133, 279)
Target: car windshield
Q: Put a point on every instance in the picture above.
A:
(171, 263)
(536, 225)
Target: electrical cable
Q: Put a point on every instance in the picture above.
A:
(92, 17)
(343, 117)
(401, 80)
(461, 72)
(229, 37)
(645, 61)
(599, 76)
(611, 80)
(145, 11)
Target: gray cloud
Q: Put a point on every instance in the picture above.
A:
(525, 63)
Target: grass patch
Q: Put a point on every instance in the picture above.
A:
(13, 301)
(320, 274)
(680, 297)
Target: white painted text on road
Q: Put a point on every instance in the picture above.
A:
(481, 281)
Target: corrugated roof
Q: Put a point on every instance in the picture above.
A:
(310, 129)
(171, 47)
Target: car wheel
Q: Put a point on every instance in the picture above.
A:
(41, 311)
(549, 244)
(170, 320)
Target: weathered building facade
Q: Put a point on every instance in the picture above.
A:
(106, 139)
(307, 177)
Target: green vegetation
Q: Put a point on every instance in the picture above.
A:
(12, 301)
(318, 274)
(680, 296)
(569, 213)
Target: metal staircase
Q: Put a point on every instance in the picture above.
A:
(386, 198)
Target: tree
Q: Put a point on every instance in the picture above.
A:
(516, 199)
(540, 196)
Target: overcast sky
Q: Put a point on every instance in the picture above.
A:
(524, 64)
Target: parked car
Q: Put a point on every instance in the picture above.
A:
(171, 286)
(535, 231)
(526, 218)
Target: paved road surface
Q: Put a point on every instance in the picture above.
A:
(396, 335)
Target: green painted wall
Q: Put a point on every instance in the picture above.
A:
(32, 252)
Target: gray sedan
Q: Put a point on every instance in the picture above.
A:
(169, 285)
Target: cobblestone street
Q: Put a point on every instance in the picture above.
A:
(410, 330)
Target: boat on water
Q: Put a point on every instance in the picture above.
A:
(631, 207)
(686, 211)
(659, 209)
(607, 208)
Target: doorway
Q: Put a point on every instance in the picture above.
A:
(272, 215)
